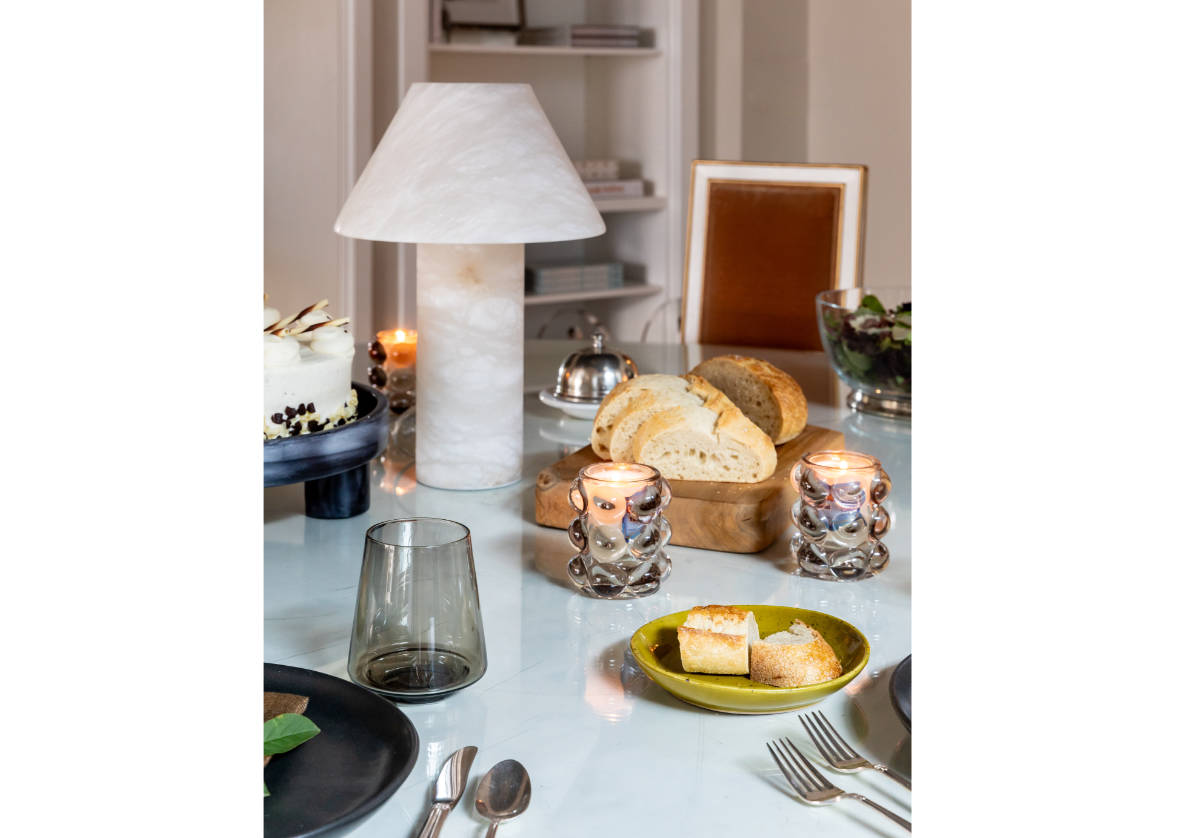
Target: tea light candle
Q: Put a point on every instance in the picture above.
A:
(609, 486)
(840, 515)
(620, 533)
(394, 352)
(400, 346)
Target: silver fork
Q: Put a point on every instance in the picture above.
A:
(810, 785)
(838, 753)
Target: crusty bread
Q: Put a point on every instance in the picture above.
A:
(714, 441)
(637, 411)
(768, 396)
(618, 400)
(716, 639)
(793, 658)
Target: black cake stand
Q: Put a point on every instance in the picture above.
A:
(332, 464)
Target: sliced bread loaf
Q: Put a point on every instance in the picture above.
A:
(637, 411)
(618, 400)
(769, 397)
(714, 441)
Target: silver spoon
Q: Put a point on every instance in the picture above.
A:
(503, 793)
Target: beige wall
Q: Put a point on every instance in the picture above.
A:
(817, 81)
(859, 111)
(301, 153)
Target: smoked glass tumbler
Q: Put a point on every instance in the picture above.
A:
(840, 516)
(620, 530)
(418, 635)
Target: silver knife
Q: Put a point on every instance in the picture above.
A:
(451, 782)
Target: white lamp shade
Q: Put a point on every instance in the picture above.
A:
(469, 164)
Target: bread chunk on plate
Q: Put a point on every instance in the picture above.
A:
(769, 397)
(794, 658)
(716, 639)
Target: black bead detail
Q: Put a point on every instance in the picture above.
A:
(376, 352)
(290, 411)
(277, 418)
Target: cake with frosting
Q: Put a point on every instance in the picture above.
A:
(306, 372)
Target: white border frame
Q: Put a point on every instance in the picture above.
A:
(853, 216)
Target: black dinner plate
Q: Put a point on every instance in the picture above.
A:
(901, 689)
(365, 750)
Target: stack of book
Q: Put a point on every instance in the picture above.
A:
(563, 279)
(601, 180)
(582, 35)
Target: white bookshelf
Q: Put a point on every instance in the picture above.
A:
(527, 50)
(605, 294)
(638, 105)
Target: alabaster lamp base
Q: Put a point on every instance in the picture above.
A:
(471, 319)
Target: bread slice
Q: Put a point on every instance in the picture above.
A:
(640, 408)
(768, 396)
(716, 639)
(618, 400)
(714, 441)
(793, 658)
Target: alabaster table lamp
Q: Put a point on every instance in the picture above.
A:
(470, 173)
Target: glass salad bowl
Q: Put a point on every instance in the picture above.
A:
(867, 334)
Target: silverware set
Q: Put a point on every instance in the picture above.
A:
(503, 793)
(810, 783)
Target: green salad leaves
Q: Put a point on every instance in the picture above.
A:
(872, 345)
(284, 732)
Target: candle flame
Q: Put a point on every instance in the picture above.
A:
(404, 336)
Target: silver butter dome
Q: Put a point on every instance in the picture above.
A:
(588, 375)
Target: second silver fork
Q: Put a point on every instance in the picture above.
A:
(838, 753)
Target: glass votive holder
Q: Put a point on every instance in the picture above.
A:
(395, 369)
(840, 515)
(620, 530)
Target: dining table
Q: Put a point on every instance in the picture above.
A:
(608, 751)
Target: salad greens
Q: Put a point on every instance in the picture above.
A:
(871, 345)
(284, 732)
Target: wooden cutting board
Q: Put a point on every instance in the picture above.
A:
(735, 517)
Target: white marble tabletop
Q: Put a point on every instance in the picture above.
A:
(608, 751)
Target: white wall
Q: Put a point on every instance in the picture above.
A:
(817, 81)
(300, 133)
(859, 111)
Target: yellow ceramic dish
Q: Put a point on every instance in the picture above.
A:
(656, 648)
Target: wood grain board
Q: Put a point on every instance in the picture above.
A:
(734, 517)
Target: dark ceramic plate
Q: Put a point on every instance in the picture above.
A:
(297, 459)
(365, 750)
(901, 689)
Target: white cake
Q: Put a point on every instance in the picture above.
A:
(306, 373)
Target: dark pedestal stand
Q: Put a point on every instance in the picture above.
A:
(332, 464)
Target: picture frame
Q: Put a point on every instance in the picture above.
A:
(483, 14)
(762, 240)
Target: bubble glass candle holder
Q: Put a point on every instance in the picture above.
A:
(840, 515)
(620, 530)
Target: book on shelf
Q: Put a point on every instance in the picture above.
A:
(582, 35)
(606, 169)
(481, 37)
(562, 279)
(632, 188)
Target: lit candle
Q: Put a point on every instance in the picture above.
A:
(609, 486)
(394, 352)
(620, 532)
(840, 515)
(400, 346)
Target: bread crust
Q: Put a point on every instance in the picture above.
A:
(794, 664)
(784, 390)
(714, 639)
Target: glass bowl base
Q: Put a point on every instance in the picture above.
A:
(889, 406)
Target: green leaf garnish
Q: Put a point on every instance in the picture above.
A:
(872, 303)
(285, 732)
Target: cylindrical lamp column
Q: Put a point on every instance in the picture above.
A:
(471, 319)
